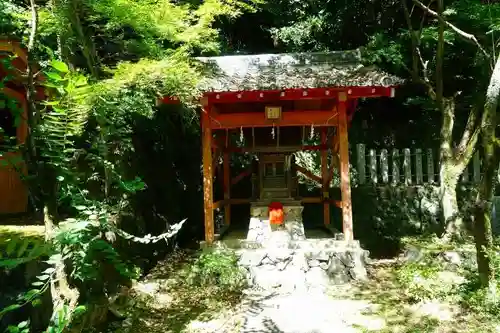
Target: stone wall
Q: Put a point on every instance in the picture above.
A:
(308, 264)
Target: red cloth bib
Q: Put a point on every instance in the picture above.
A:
(276, 213)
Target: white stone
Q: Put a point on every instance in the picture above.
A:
(316, 277)
(258, 230)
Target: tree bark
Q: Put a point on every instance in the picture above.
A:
(453, 222)
(482, 226)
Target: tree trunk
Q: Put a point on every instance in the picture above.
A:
(482, 226)
(453, 222)
(450, 170)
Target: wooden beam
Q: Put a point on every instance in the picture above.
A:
(207, 175)
(296, 94)
(325, 178)
(317, 200)
(227, 188)
(345, 184)
(273, 149)
(308, 173)
(219, 204)
(289, 118)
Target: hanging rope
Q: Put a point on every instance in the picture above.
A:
(242, 137)
(312, 132)
(272, 132)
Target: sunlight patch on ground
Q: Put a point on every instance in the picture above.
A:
(433, 309)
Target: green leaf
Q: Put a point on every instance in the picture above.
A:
(60, 178)
(23, 324)
(10, 308)
(23, 248)
(36, 302)
(37, 284)
(60, 66)
(43, 277)
(80, 207)
(49, 270)
(52, 103)
(79, 310)
(11, 246)
(54, 76)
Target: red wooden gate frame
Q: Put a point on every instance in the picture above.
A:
(345, 99)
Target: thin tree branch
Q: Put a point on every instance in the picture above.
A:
(468, 37)
(471, 132)
(440, 59)
(417, 56)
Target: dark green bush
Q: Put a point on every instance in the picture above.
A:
(217, 268)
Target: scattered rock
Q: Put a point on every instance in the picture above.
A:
(287, 269)
(252, 258)
(412, 254)
(452, 257)
(317, 277)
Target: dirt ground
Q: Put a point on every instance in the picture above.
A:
(161, 303)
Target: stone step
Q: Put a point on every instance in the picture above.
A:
(308, 244)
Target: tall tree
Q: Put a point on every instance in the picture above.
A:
(486, 127)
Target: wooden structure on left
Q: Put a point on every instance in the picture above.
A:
(13, 127)
(269, 101)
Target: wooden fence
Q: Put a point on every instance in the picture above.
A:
(406, 166)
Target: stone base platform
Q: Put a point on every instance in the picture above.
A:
(304, 265)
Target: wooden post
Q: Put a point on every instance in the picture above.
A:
(361, 163)
(373, 166)
(207, 173)
(395, 167)
(384, 165)
(325, 177)
(418, 167)
(430, 166)
(407, 166)
(227, 189)
(345, 184)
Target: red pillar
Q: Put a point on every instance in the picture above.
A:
(345, 184)
(206, 139)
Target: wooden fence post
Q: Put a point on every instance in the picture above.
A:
(395, 167)
(373, 166)
(384, 165)
(361, 163)
(407, 166)
(418, 167)
(430, 166)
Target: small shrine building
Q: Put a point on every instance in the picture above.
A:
(282, 95)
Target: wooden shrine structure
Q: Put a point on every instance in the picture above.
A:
(13, 65)
(282, 94)
(13, 192)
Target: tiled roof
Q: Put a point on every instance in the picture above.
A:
(288, 71)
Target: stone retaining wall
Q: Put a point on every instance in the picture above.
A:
(304, 267)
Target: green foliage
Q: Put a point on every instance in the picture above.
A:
(15, 251)
(483, 299)
(419, 281)
(217, 268)
(10, 22)
(22, 327)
